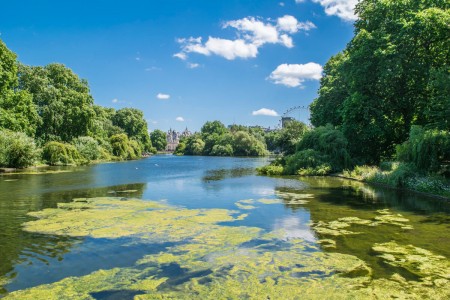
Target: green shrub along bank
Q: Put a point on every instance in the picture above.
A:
(47, 114)
(17, 150)
(320, 151)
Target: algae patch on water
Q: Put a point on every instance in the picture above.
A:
(118, 217)
(336, 227)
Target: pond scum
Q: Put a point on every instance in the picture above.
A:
(231, 262)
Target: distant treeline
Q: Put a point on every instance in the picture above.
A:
(215, 139)
(48, 115)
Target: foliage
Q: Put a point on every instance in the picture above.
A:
(88, 148)
(329, 142)
(290, 135)
(132, 121)
(308, 162)
(17, 111)
(124, 148)
(57, 153)
(327, 108)
(222, 150)
(159, 140)
(181, 148)
(245, 144)
(212, 127)
(401, 175)
(17, 150)
(392, 75)
(64, 102)
(270, 170)
(194, 145)
(428, 150)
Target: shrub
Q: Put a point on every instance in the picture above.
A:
(17, 150)
(87, 147)
(270, 170)
(308, 162)
(222, 150)
(56, 153)
(330, 143)
(428, 150)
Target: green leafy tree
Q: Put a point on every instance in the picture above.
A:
(212, 127)
(88, 148)
(290, 135)
(159, 139)
(17, 111)
(328, 107)
(245, 144)
(63, 100)
(132, 121)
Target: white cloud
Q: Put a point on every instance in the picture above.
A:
(180, 55)
(152, 68)
(294, 75)
(344, 9)
(162, 96)
(281, 4)
(265, 112)
(252, 33)
(299, 1)
(115, 100)
(193, 65)
(179, 119)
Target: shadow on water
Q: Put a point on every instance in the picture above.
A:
(333, 199)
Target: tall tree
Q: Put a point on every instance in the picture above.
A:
(132, 121)
(159, 139)
(17, 110)
(64, 102)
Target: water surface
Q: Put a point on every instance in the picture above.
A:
(306, 218)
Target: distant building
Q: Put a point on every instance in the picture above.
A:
(285, 121)
(173, 138)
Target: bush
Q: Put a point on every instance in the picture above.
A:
(270, 170)
(124, 148)
(56, 154)
(17, 150)
(222, 150)
(330, 143)
(428, 150)
(87, 147)
(307, 162)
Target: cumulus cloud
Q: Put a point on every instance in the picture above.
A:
(344, 9)
(162, 96)
(179, 119)
(294, 75)
(252, 33)
(115, 100)
(265, 112)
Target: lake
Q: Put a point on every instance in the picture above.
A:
(209, 227)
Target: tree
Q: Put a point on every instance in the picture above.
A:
(245, 144)
(17, 111)
(132, 121)
(327, 108)
(159, 139)
(216, 127)
(290, 135)
(64, 102)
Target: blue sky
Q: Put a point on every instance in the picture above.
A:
(186, 62)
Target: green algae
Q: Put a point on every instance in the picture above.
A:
(294, 198)
(245, 207)
(336, 227)
(270, 201)
(416, 260)
(105, 217)
(218, 262)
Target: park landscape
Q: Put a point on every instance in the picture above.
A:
(351, 202)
